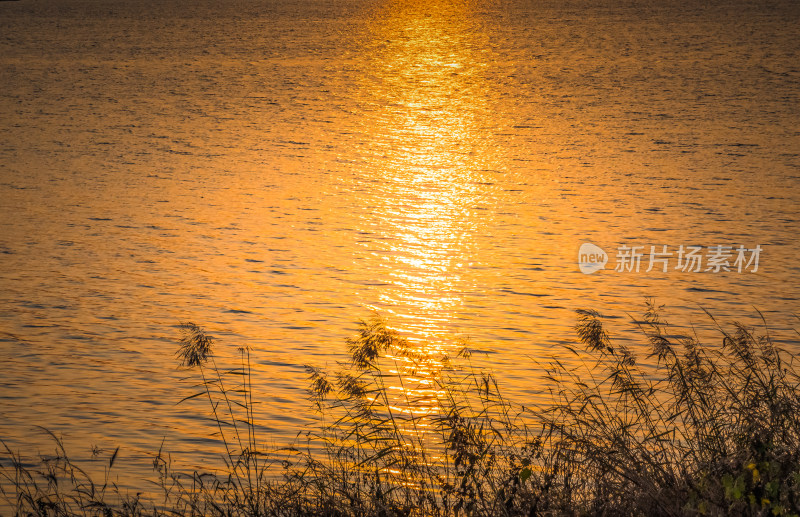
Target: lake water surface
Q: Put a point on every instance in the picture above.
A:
(275, 171)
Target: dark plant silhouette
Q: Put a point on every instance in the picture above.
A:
(701, 429)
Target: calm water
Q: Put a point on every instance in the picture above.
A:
(275, 171)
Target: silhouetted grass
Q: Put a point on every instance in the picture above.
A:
(703, 430)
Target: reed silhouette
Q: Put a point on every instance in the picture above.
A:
(708, 429)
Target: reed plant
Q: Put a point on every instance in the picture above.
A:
(697, 429)
(57, 486)
(712, 430)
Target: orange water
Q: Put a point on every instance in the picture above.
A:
(275, 171)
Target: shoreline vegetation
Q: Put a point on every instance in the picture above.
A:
(704, 429)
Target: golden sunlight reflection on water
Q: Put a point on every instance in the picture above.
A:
(431, 131)
(437, 162)
(431, 127)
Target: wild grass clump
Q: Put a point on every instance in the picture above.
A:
(57, 486)
(697, 429)
(446, 442)
(712, 430)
